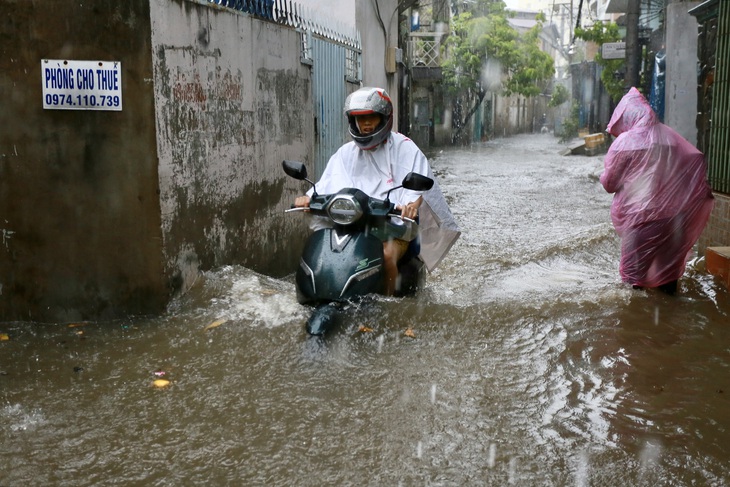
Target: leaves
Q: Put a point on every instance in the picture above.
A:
(215, 324)
(601, 33)
(560, 95)
(483, 39)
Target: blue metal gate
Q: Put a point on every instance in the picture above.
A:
(335, 74)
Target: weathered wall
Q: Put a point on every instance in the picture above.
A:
(232, 101)
(105, 214)
(378, 24)
(717, 231)
(79, 210)
(681, 74)
(517, 114)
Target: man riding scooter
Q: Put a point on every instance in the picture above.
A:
(376, 161)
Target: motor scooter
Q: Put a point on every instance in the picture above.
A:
(343, 261)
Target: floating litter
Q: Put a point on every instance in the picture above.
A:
(215, 324)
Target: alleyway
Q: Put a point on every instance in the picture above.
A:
(531, 364)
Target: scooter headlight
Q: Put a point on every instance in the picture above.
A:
(344, 209)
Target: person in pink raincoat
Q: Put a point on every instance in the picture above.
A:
(662, 200)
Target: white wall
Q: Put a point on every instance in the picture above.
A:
(375, 43)
(680, 100)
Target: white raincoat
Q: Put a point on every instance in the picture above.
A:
(377, 171)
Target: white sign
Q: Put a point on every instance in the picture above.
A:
(613, 50)
(81, 85)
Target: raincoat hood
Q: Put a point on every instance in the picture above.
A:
(662, 200)
(632, 112)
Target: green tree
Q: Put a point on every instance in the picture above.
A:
(560, 95)
(569, 129)
(484, 53)
(601, 33)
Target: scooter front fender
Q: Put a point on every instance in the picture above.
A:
(338, 266)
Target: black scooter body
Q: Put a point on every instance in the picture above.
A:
(337, 265)
(345, 262)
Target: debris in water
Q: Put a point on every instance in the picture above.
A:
(215, 324)
(160, 383)
(409, 333)
(4, 337)
(364, 329)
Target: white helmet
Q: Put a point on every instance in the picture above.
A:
(366, 101)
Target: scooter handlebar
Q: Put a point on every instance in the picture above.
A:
(398, 215)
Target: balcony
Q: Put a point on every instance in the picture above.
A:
(424, 55)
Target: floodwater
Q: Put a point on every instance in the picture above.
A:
(530, 364)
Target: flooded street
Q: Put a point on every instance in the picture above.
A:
(531, 364)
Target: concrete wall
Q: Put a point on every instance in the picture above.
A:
(79, 209)
(105, 214)
(681, 75)
(517, 114)
(232, 101)
(717, 231)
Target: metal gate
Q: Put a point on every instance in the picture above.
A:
(335, 74)
(719, 150)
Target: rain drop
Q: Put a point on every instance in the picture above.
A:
(491, 458)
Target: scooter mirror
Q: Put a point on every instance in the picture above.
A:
(295, 169)
(417, 182)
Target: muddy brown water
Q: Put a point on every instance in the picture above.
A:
(531, 364)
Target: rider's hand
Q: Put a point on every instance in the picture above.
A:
(409, 211)
(301, 202)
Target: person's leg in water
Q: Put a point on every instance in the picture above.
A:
(652, 245)
(634, 258)
(674, 253)
(393, 250)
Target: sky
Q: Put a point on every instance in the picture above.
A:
(337, 10)
(344, 12)
(531, 4)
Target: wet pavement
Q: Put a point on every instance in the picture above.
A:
(530, 364)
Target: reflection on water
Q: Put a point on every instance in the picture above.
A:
(531, 364)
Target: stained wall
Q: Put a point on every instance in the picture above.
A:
(104, 214)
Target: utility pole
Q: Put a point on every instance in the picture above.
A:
(633, 48)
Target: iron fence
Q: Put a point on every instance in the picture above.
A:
(294, 15)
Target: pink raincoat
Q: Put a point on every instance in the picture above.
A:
(661, 197)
